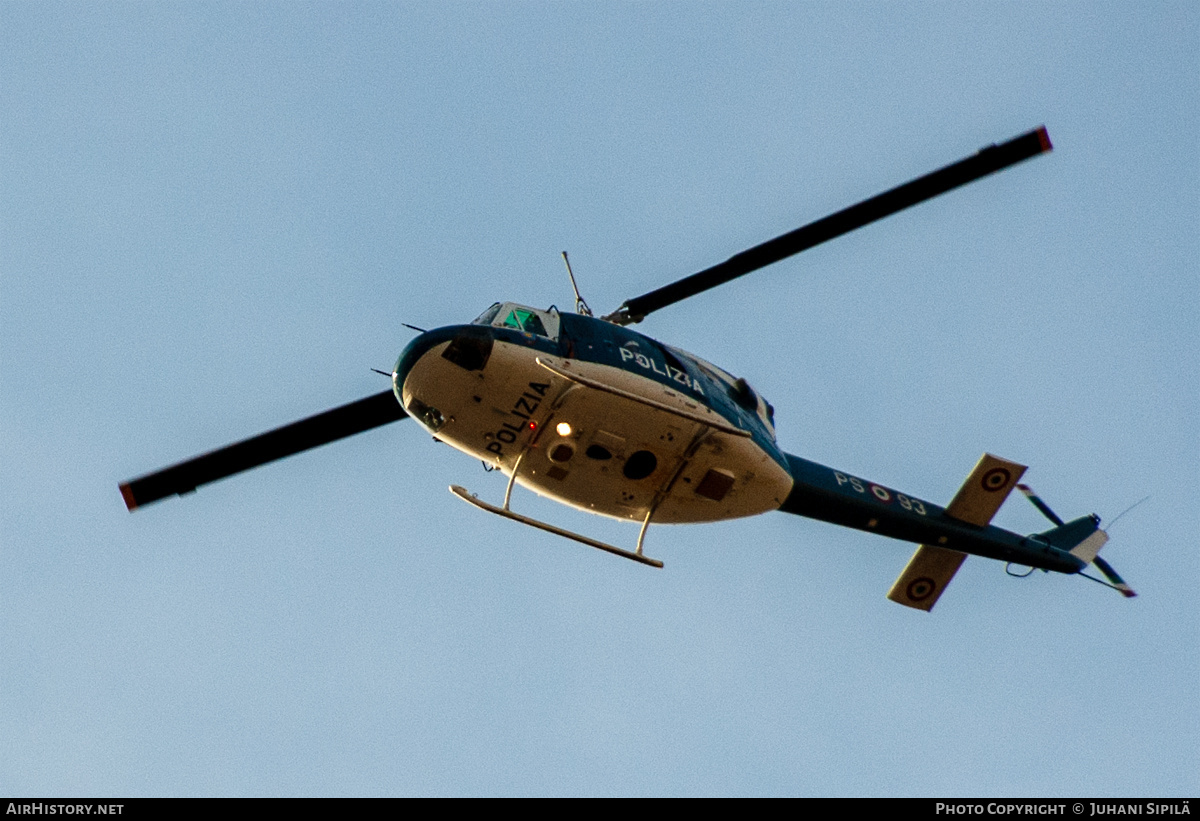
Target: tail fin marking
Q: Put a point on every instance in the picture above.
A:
(925, 577)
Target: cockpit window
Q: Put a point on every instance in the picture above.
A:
(739, 390)
(524, 320)
(521, 318)
(707, 368)
(487, 316)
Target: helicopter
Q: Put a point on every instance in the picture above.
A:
(588, 412)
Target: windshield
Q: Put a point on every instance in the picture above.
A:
(487, 316)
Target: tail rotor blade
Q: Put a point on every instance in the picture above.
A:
(1039, 504)
(312, 432)
(1117, 582)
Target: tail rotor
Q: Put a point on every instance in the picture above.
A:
(1114, 580)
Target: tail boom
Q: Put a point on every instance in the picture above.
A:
(820, 492)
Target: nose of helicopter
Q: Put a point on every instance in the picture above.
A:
(473, 343)
(409, 357)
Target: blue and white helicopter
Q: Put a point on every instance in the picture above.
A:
(594, 415)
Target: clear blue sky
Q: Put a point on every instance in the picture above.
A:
(215, 217)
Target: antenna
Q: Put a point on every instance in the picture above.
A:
(581, 307)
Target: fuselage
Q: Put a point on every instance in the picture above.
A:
(601, 417)
(607, 420)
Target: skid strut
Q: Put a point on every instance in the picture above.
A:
(468, 497)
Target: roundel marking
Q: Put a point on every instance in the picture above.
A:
(996, 479)
(881, 493)
(921, 589)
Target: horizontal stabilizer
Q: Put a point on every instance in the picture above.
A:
(985, 490)
(931, 568)
(926, 576)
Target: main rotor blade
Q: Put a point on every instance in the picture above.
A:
(986, 161)
(329, 426)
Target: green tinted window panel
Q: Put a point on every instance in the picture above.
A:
(533, 324)
(523, 320)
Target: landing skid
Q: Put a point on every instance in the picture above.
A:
(468, 497)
